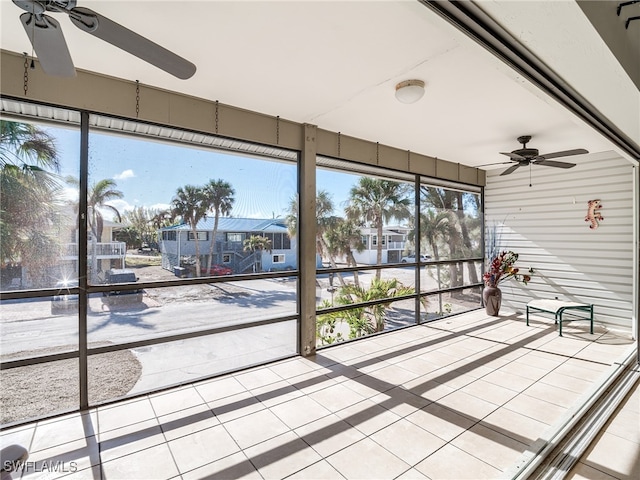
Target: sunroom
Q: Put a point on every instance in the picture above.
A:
(290, 372)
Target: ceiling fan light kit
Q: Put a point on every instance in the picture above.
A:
(48, 41)
(409, 91)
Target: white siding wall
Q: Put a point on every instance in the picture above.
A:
(545, 225)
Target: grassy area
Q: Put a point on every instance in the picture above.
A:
(147, 261)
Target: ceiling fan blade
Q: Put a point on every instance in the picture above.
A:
(566, 153)
(129, 41)
(510, 169)
(49, 44)
(513, 156)
(491, 164)
(554, 163)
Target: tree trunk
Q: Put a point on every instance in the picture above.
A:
(212, 245)
(466, 240)
(379, 248)
(332, 261)
(195, 237)
(353, 263)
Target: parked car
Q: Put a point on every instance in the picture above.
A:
(218, 270)
(145, 248)
(64, 302)
(412, 258)
(121, 275)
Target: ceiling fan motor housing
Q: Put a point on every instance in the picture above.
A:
(38, 7)
(527, 152)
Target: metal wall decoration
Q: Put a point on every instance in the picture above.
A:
(593, 213)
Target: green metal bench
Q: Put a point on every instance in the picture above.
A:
(558, 307)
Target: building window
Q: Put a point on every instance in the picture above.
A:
(374, 240)
(277, 241)
(278, 259)
(202, 236)
(234, 237)
(169, 236)
(226, 258)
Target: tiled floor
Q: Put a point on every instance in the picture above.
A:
(463, 397)
(615, 452)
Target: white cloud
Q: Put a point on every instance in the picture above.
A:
(120, 205)
(123, 206)
(70, 194)
(160, 206)
(124, 175)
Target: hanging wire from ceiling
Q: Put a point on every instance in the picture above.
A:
(137, 98)
(25, 85)
(217, 116)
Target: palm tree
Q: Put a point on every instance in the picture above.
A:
(457, 237)
(342, 239)
(27, 147)
(145, 222)
(291, 218)
(369, 319)
(219, 198)
(160, 218)
(129, 235)
(257, 243)
(375, 202)
(99, 194)
(29, 199)
(433, 228)
(189, 204)
(325, 221)
(465, 222)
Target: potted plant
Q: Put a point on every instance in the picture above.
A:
(502, 267)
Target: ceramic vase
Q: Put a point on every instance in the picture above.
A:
(492, 298)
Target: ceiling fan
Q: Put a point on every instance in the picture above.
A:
(48, 42)
(530, 156)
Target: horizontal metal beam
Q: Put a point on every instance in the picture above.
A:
(111, 96)
(143, 343)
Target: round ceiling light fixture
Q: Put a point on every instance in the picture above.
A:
(410, 91)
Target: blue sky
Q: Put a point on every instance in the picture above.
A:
(149, 172)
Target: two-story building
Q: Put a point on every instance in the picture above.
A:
(178, 245)
(102, 253)
(394, 245)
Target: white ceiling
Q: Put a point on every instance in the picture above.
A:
(336, 64)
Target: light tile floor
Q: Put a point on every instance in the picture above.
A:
(615, 452)
(463, 397)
